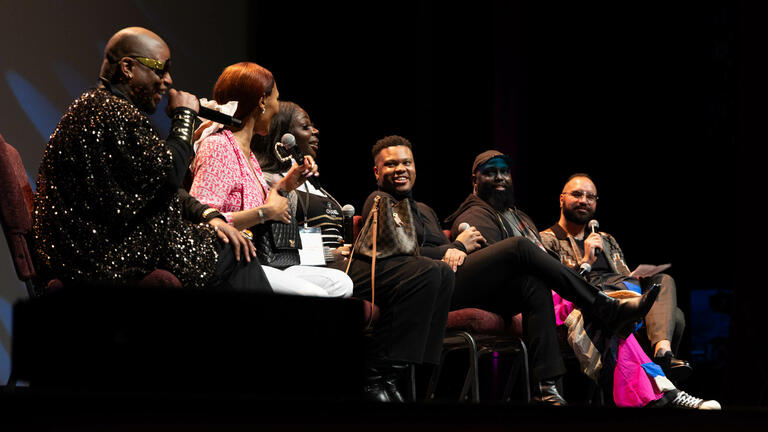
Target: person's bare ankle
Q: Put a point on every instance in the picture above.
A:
(662, 347)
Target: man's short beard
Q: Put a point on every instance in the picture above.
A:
(499, 200)
(142, 98)
(145, 105)
(574, 217)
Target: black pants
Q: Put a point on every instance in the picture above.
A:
(242, 275)
(524, 257)
(413, 295)
(487, 280)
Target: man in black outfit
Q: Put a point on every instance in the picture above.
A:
(508, 278)
(413, 294)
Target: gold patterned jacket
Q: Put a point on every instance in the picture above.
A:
(556, 239)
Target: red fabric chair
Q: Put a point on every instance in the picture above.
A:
(482, 333)
(16, 205)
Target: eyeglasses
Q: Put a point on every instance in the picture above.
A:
(159, 67)
(579, 195)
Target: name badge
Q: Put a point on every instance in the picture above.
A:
(311, 252)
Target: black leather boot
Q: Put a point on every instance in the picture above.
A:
(376, 389)
(545, 393)
(391, 382)
(622, 315)
(677, 370)
(393, 377)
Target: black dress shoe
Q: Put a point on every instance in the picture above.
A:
(376, 389)
(545, 393)
(376, 392)
(675, 369)
(390, 383)
(631, 310)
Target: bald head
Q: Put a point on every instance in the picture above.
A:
(136, 62)
(130, 41)
(578, 182)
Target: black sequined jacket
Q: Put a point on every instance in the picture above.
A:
(107, 207)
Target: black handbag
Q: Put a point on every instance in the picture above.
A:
(277, 243)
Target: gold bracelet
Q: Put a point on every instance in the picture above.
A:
(208, 211)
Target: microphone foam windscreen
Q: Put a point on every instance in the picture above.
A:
(348, 210)
(463, 226)
(288, 140)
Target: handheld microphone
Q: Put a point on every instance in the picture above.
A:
(218, 117)
(594, 225)
(586, 267)
(463, 227)
(348, 213)
(289, 143)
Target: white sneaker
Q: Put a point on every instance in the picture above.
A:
(686, 401)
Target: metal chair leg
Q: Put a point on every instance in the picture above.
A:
(411, 394)
(471, 387)
(515, 372)
(472, 380)
(432, 387)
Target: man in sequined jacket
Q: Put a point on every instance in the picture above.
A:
(600, 251)
(107, 207)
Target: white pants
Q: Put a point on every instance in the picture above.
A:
(309, 281)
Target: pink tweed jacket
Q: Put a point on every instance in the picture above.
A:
(222, 178)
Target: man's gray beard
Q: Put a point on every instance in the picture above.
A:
(573, 217)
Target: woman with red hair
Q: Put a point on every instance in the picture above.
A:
(227, 176)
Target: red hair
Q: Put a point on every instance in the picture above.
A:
(244, 82)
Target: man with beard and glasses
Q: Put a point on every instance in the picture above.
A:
(615, 361)
(570, 237)
(507, 277)
(107, 208)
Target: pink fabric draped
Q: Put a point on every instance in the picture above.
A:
(562, 308)
(633, 386)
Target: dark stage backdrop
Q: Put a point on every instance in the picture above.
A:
(647, 98)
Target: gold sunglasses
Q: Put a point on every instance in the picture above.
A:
(158, 66)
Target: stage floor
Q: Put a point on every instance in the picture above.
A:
(25, 409)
